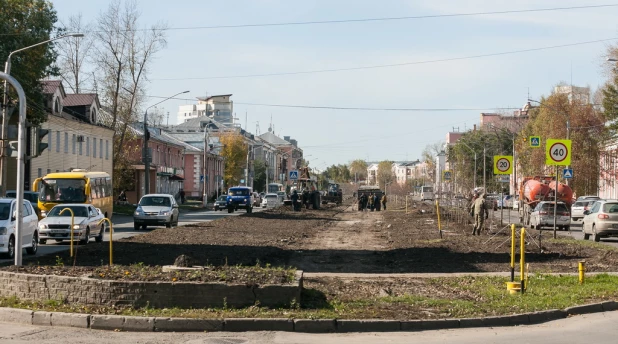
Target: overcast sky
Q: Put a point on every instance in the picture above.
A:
(330, 136)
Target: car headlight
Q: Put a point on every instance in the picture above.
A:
(164, 212)
(139, 211)
(43, 213)
(3, 230)
(79, 226)
(42, 226)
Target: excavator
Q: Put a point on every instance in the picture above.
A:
(307, 188)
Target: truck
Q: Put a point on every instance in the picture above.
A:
(368, 190)
(334, 194)
(533, 190)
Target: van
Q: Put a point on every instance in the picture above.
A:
(427, 193)
(240, 197)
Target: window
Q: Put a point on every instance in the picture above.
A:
(40, 173)
(101, 148)
(87, 146)
(26, 210)
(73, 142)
(106, 150)
(94, 147)
(66, 143)
(57, 141)
(80, 147)
(49, 140)
(48, 171)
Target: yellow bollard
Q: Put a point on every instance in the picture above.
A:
(523, 258)
(72, 224)
(582, 269)
(439, 224)
(512, 252)
(111, 232)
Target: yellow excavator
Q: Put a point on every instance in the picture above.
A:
(307, 188)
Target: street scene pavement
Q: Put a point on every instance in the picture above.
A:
(598, 328)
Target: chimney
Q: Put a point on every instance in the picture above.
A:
(474, 128)
(287, 138)
(294, 143)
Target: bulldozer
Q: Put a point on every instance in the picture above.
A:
(334, 194)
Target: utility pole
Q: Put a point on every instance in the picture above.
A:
(568, 124)
(484, 168)
(205, 198)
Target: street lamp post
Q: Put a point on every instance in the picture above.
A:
(145, 156)
(5, 112)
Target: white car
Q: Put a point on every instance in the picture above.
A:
(271, 200)
(7, 227)
(543, 216)
(156, 210)
(577, 210)
(282, 196)
(86, 224)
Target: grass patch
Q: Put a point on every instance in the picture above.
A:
(439, 298)
(191, 205)
(586, 243)
(124, 209)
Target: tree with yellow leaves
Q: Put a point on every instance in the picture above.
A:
(235, 154)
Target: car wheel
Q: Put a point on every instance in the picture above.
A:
(249, 210)
(85, 241)
(595, 236)
(586, 235)
(35, 245)
(144, 227)
(42, 241)
(567, 228)
(99, 238)
(176, 222)
(230, 210)
(169, 224)
(11, 248)
(136, 227)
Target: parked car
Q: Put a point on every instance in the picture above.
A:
(220, 202)
(516, 202)
(30, 234)
(543, 216)
(156, 210)
(240, 197)
(31, 196)
(601, 221)
(578, 208)
(282, 196)
(271, 200)
(86, 224)
(588, 197)
(505, 202)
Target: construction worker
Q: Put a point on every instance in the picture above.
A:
(384, 202)
(481, 213)
(295, 203)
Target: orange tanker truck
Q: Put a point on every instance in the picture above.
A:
(533, 190)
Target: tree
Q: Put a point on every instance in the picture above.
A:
(24, 23)
(259, 179)
(358, 169)
(429, 158)
(385, 173)
(73, 54)
(235, 154)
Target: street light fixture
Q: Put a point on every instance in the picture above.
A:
(5, 113)
(145, 156)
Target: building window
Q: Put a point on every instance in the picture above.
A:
(40, 173)
(94, 147)
(106, 149)
(101, 148)
(57, 141)
(80, 147)
(49, 140)
(73, 143)
(66, 143)
(87, 146)
(48, 171)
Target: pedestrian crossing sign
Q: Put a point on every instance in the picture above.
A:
(567, 173)
(535, 141)
(293, 175)
(447, 175)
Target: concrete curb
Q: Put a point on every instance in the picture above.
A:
(163, 324)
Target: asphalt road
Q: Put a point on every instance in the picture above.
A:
(123, 228)
(598, 328)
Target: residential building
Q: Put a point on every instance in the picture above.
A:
(372, 173)
(219, 108)
(77, 139)
(579, 94)
(404, 172)
(608, 185)
(288, 157)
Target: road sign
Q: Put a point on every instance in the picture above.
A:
(558, 152)
(293, 175)
(201, 178)
(447, 175)
(504, 178)
(567, 173)
(503, 164)
(535, 141)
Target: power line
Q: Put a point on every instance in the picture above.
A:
(392, 64)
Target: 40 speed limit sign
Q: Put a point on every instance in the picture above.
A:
(503, 164)
(558, 152)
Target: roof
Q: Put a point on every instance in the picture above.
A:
(81, 99)
(50, 86)
(273, 139)
(210, 97)
(162, 136)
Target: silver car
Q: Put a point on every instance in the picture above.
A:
(601, 221)
(156, 210)
(86, 224)
(577, 210)
(543, 216)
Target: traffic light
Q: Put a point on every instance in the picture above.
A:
(12, 149)
(37, 136)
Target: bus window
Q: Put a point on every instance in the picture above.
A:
(62, 190)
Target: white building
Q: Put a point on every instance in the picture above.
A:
(220, 108)
(579, 94)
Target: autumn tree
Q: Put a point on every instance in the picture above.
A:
(429, 155)
(385, 173)
(234, 152)
(358, 169)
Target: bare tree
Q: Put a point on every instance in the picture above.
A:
(123, 56)
(74, 54)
